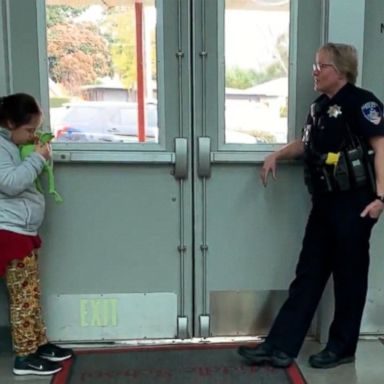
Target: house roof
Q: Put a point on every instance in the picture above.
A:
(276, 87)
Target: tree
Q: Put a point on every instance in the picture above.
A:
(240, 78)
(77, 55)
(281, 51)
(58, 14)
(123, 45)
(121, 20)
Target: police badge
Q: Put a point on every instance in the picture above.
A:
(371, 111)
(334, 111)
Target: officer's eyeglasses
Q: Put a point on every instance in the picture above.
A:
(319, 67)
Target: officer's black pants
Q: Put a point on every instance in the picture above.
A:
(336, 242)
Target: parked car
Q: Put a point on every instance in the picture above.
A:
(104, 121)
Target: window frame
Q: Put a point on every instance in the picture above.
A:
(306, 28)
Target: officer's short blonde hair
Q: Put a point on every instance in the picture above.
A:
(344, 57)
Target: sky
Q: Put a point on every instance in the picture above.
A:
(250, 36)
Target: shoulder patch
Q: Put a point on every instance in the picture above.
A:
(371, 111)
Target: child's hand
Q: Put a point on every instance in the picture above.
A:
(44, 150)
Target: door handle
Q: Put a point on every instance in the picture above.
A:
(181, 158)
(204, 156)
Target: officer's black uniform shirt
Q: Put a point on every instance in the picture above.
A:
(352, 107)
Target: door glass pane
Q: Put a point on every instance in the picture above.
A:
(102, 70)
(256, 71)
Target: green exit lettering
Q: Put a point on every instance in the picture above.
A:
(98, 312)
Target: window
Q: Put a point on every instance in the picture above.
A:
(256, 71)
(102, 70)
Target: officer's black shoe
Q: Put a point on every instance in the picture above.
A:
(281, 359)
(328, 359)
(262, 353)
(265, 354)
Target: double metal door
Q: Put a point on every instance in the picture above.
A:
(178, 238)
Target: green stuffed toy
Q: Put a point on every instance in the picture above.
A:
(27, 149)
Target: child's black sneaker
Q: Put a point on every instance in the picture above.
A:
(53, 352)
(34, 365)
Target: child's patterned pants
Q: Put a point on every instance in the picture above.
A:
(27, 325)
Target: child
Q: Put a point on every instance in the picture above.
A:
(21, 214)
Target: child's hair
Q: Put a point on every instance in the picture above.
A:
(18, 108)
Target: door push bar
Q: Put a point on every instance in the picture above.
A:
(181, 158)
(204, 156)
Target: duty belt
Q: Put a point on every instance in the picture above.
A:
(340, 171)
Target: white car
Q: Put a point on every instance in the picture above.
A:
(104, 121)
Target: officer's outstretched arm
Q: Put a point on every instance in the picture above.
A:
(290, 151)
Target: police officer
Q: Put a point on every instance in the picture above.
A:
(343, 150)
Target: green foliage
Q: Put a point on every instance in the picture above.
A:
(56, 102)
(57, 14)
(283, 112)
(123, 45)
(81, 53)
(121, 20)
(240, 78)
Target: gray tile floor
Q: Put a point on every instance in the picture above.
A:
(368, 368)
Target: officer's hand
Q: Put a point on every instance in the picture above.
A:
(373, 210)
(268, 166)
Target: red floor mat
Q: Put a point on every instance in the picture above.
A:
(175, 364)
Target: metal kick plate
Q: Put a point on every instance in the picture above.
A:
(244, 313)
